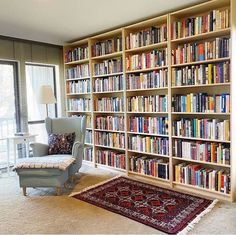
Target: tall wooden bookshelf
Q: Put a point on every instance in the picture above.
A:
(151, 73)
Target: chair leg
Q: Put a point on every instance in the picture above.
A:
(24, 191)
(58, 189)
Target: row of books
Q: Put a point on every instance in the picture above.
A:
(113, 104)
(214, 129)
(111, 83)
(79, 104)
(111, 158)
(88, 137)
(212, 21)
(153, 79)
(107, 47)
(149, 166)
(200, 151)
(152, 59)
(201, 102)
(146, 37)
(200, 51)
(149, 125)
(115, 140)
(88, 121)
(88, 154)
(108, 67)
(196, 175)
(148, 144)
(78, 53)
(81, 86)
(201, 74)
(154, 103)
(80, 71)
(114, 123)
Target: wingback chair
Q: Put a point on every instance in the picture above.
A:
(43, 170)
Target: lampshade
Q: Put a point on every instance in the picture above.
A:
(46, 95)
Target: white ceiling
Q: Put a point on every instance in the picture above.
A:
(60, 21)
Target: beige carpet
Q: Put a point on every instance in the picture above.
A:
(42, 212)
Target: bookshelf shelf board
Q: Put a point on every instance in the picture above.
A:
(78, 94)
(147, 134)
(213, 34)
(148, 176)
(146, 48)
(107, 56)
(88, 144)
(145, 153)
(108, 112)
(84, 61)
(107, 75)
(89, 128)
(202, 162)
(148, 89)
(201, 139)
(107, 92)
(203, 189)
(113, 131)
(201, 62)
(76, 79)
(161, 113)
(107, 35)
(146, 70)
(193, 113)
(90, 163)
(72, 111)
(201, 85)
(108, 147)
(110, 167)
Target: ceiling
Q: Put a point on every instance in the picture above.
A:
(60, 21)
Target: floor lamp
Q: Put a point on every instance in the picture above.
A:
(47, 96)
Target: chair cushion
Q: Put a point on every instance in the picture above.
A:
(61, 143)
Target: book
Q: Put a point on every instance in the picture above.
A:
(78, 53)
(108, 67)
(114, 123)
(79, 71)
(79, 104)
(111, 83)
(88, 154)
(110, 104)
(78, 87)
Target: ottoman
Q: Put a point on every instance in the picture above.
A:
(44, 171)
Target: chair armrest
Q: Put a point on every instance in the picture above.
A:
(39, 149)
(77, 149)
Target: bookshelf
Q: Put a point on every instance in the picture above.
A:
(154, 100)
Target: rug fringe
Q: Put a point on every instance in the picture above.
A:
(94, 185)
(197, 219)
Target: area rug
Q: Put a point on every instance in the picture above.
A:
(166, 210)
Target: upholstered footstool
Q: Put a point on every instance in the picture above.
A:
(47, 171)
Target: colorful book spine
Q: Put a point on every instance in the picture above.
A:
(79, 104)
(88, 154)
(149, 125)
(155, 103)
(108, 67)
(109, 104)
(79, 71)
(107, 47)
(149, 166)
(111, 158)
(153, 59)
(111, 83)
(213, 21)
(201, 151)
(201, 74)
(114, 140)
(155, 79)
(78, 87)
(88, 121)
(88, 137)
(214, 129)
(148, 144)
(200, 51)
(196, 175)
(201, 102)
(112, 123)
(146, 37)
(78, 53)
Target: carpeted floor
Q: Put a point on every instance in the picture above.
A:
(43, 213)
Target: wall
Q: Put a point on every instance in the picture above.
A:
(26, 51)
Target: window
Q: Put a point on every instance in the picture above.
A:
(36, 76)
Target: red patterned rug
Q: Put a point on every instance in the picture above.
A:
(166, 210)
